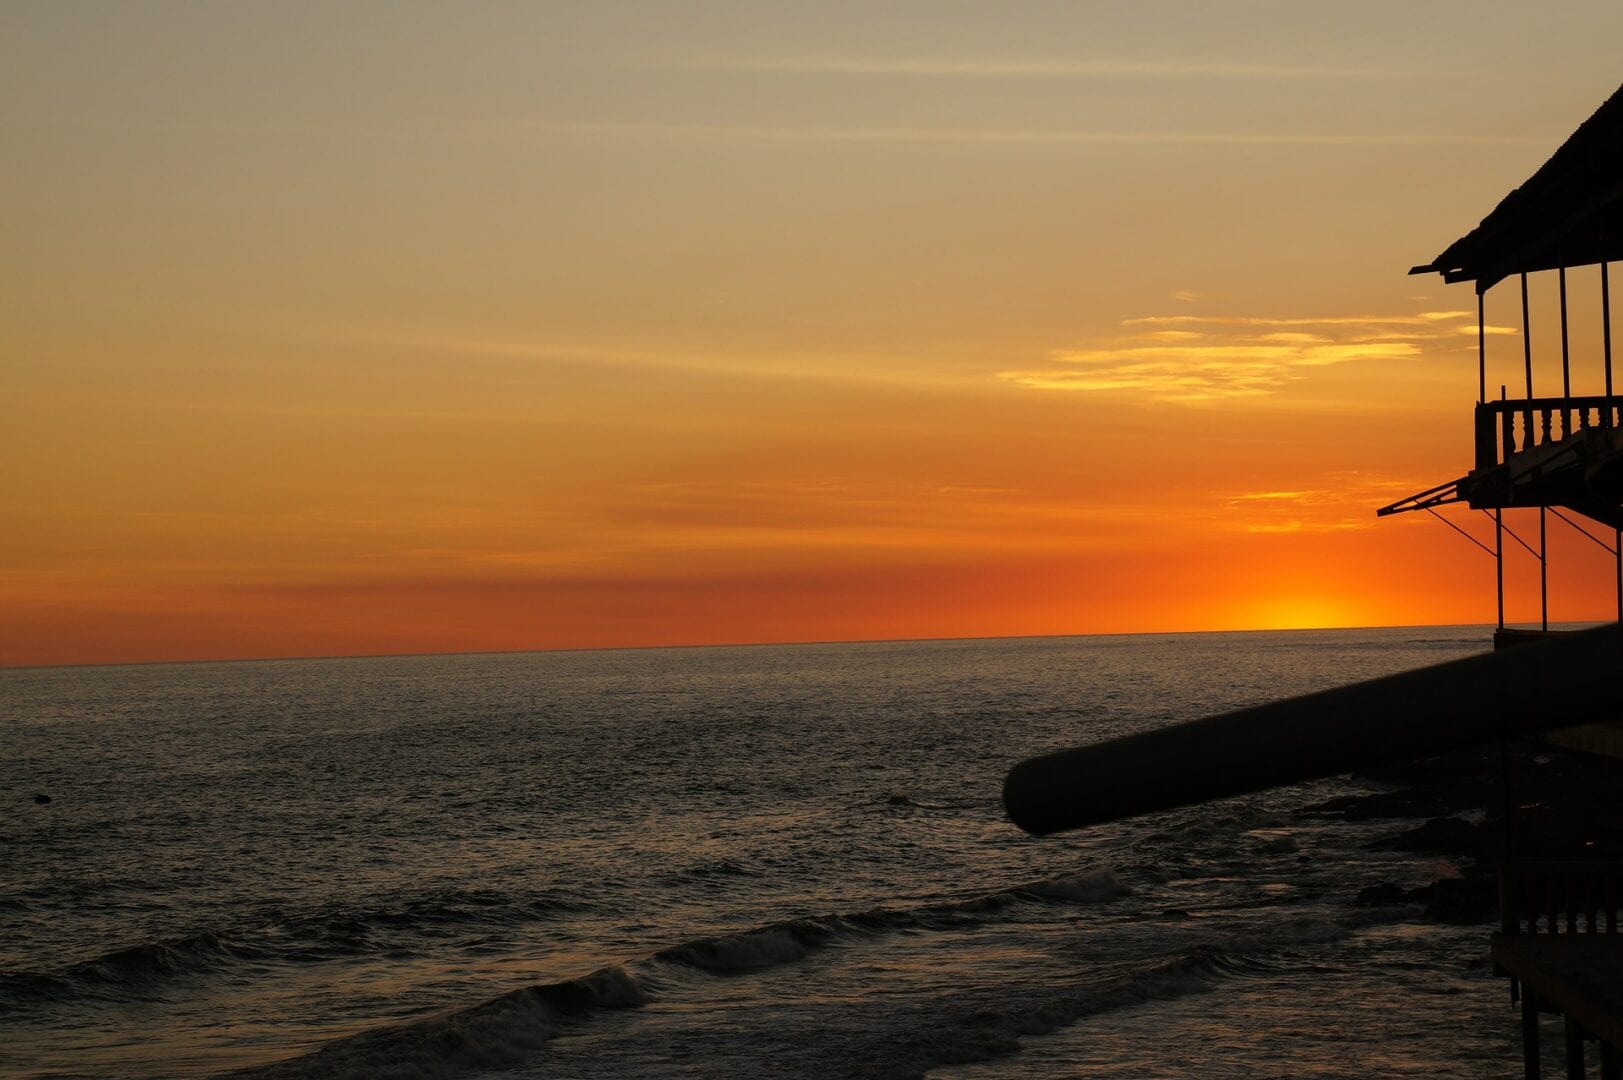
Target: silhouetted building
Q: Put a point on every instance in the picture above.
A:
(1556, 452)
(1561, 455)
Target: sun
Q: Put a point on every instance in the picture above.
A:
(1296, 611)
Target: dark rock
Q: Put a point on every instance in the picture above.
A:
(1566, 806)
(42, 798)
(1385, 894)
(1461, 901)
(1439, 836)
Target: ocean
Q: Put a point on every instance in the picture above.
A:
(780, 861)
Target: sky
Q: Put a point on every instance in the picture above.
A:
(357, 328)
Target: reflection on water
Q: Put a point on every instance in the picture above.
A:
(632, 863)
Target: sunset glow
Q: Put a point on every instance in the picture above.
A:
(553, 328)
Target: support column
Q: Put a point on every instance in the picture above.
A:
(1566, 362)
(1527, 354)
(1543, 573)
(1606, 413)
(1606, 335)
(1530, 1059)
(1499, 560)
(1575, 1049)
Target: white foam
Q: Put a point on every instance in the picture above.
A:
(1084, 886)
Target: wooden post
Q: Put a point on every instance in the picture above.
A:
(1530, 1059)
(1481, 352)
(1606, 336)
(1527, 348)
(1575, 1049)
(1543, 574)
(1499, 559)
(1566, 362)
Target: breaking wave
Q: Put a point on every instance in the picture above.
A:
(500, 1032)
(282, 937)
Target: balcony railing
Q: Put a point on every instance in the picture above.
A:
(1538, 897)
(1504, 428)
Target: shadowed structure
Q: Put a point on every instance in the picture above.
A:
(1569, 213)
(1550, 453)
(1556, 682)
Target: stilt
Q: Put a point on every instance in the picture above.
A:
(1530, 1060)
(1499, 560)
(1543, 573)
(1575, 1049)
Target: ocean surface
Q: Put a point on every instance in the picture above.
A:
(780, 861)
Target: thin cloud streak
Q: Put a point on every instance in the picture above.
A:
(1013, 137)
(883, 369)
(1424, 318)
(1191, 358)
(941, 67)
(1340, 502)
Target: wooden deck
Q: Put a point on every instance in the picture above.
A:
(1577, 975)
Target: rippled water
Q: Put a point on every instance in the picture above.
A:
(744, 861)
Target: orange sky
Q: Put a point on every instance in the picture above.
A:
(403, 329)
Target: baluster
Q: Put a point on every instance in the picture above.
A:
(1569, 892)
(1545, 414)
(1507, 434)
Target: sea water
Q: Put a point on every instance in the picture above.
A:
(730, 862)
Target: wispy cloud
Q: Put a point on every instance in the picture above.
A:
(1339, 501)
(762, 363)
(1029, 68)
(1192, 358)
(901, 136)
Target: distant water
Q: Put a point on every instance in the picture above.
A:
(785, 861)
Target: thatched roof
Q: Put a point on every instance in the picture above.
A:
(1569, 213)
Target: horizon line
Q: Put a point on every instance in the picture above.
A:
(767, 644)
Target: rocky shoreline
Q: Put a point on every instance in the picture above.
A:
(1564, 805)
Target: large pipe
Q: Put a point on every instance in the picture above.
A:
(1570, 678)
